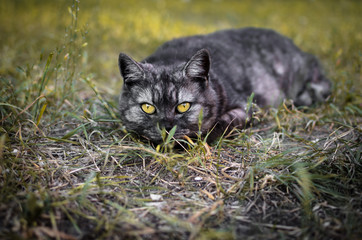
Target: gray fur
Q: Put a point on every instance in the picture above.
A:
(216, 73)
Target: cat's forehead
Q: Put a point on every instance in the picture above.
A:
(164, 92)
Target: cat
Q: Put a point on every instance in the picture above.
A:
(213, 75)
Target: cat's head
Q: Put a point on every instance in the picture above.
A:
(159, 97)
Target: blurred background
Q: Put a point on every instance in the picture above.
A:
(90, 34)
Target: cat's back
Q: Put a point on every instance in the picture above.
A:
(221, 45)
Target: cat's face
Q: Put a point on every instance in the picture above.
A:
(155, 97)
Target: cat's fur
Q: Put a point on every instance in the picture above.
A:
(216, 73)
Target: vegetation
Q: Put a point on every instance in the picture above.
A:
(69, 170)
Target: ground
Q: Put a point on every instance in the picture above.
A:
(68, 169)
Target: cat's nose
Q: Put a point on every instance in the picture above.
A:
(168, 126)
(167, 123)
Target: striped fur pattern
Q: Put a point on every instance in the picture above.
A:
(216, 73)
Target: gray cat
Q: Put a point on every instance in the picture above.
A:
(215, 74)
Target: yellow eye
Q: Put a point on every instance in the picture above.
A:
(148, 108)
(183, 107)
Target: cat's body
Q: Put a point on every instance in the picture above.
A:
(215, 73)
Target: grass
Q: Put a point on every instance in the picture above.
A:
(69, 170)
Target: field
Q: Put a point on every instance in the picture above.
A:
(69, 169)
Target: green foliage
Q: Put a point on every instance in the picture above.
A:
(69, 169)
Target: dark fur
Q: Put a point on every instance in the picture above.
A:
(216, 73)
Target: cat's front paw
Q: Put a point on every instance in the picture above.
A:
(234, 118)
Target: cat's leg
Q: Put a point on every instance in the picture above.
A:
(234, 118)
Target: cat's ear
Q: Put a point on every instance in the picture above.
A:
(131, 70)
(198, 66)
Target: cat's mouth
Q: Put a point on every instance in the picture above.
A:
(156, 137)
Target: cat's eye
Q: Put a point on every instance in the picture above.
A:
(148, 108)
(183, 107)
